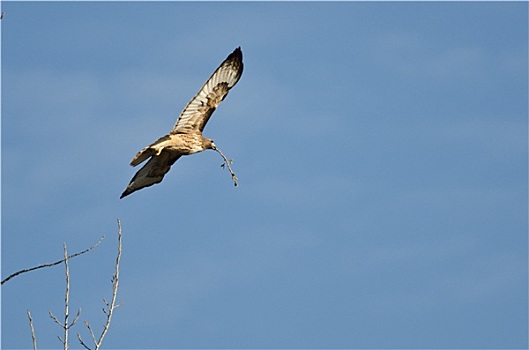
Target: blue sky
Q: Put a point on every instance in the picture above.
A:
(381, 150)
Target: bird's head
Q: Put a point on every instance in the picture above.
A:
(208, 144)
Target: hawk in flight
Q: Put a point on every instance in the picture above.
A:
(186, 137)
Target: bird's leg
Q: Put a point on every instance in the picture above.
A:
(227, 163)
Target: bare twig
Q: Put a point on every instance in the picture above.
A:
(110, 306)
(55, 319)
(66, 325)
(53, 263)
(66, 298)
(115, 283)
(227, 163)
(33, 337)
(91, 332)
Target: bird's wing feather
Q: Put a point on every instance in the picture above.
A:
(198, 111)
(152, 172)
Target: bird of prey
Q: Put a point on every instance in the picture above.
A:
(186, 137)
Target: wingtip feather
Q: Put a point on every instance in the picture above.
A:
(237, 53)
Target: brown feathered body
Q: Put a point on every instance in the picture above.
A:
(186, 137)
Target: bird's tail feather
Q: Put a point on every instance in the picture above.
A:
(142, 156)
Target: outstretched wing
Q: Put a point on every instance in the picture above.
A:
(152, 172)
(198, 111)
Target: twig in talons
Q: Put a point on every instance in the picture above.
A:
(227, 163)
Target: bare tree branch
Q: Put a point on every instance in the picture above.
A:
(110, 306)
(52, 316)
(91, 331)
(66, 325)
(115, 284)
(66, 298)
(82, 342)
(53, 263)
(33, 337)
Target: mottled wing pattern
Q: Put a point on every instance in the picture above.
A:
(198, 111)
(152, 172)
